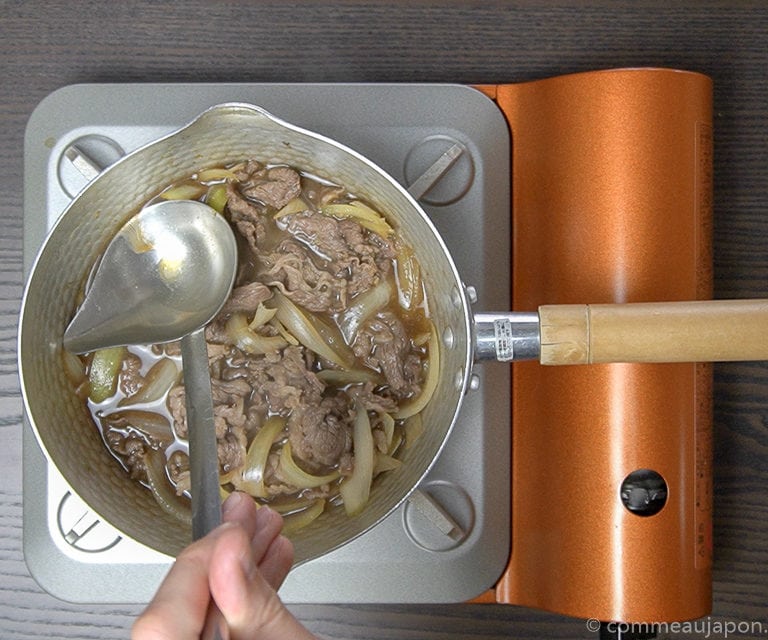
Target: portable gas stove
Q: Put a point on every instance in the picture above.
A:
(456, 156)
(587, 188)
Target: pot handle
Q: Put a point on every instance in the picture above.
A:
(699, 331)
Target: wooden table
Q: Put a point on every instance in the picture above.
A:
(45, 45)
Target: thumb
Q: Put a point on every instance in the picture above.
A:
(250, 607)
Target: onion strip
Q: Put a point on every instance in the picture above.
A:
(297, 205)
(305, 331)
(408, 273)
(184, 191)
(384, 462)
(249, 341)
(217, 197)
(363, 215)
(363, 307)
(296, 476)
(295, 521)
(160, 485)
(251, 478)
(104, 370)
(216, 173)
(416, 405)
(356, 489)
(159, 379)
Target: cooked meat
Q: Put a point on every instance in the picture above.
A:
(275, 187)
(131, 379)
(246, 299)
(344, 249)
(285, 381)
(292, 270)
(131, 449)
(383, 344)
(320, 433)
(365, 395)
(178, 471)
(231, 450)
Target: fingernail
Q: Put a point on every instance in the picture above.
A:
(232, 502)
(263, 516)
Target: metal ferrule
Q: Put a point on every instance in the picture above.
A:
(507, 336)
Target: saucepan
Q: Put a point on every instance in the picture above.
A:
(229, 133)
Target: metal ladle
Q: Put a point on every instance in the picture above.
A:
(164, 276)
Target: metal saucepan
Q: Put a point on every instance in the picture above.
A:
(230, 133)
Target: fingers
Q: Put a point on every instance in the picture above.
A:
(249, 604)
(263, 526)
(240, 564)
(180, 605)
(277, 561)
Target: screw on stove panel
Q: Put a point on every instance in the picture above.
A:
(84, 159)
(439, 170)
(81, 529)
(439, 516)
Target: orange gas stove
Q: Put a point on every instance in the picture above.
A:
(611, 464)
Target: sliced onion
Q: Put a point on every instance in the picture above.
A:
(159, 379)
(300, 519)
(184, 191)
(297, 205)
(162, 490)
(409, 285)
(250, 341)
(388, 423)
(413, 428)
(384, 462)
(73, 367)
(306, 332)
(261, 317)
(292, 506)
(363, 214)
(356, 489)
(217, 173)
(363, 307)
(155, 427)
(103, 372)
(217, 197)
(293, 474)
(415, 405)
(251, 478)
(283, 331)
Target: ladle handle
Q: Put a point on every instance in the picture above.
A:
(701, 331)
(203, 455)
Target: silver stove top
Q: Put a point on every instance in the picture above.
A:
(415, 132)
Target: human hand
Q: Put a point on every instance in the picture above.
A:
(238, 567)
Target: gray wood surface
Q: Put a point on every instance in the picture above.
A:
(46, 45)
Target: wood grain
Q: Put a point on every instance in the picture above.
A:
(46, 45)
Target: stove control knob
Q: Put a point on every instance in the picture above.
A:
(471, 293)
(644, 492)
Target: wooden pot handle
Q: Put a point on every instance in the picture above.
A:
(702, 331)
